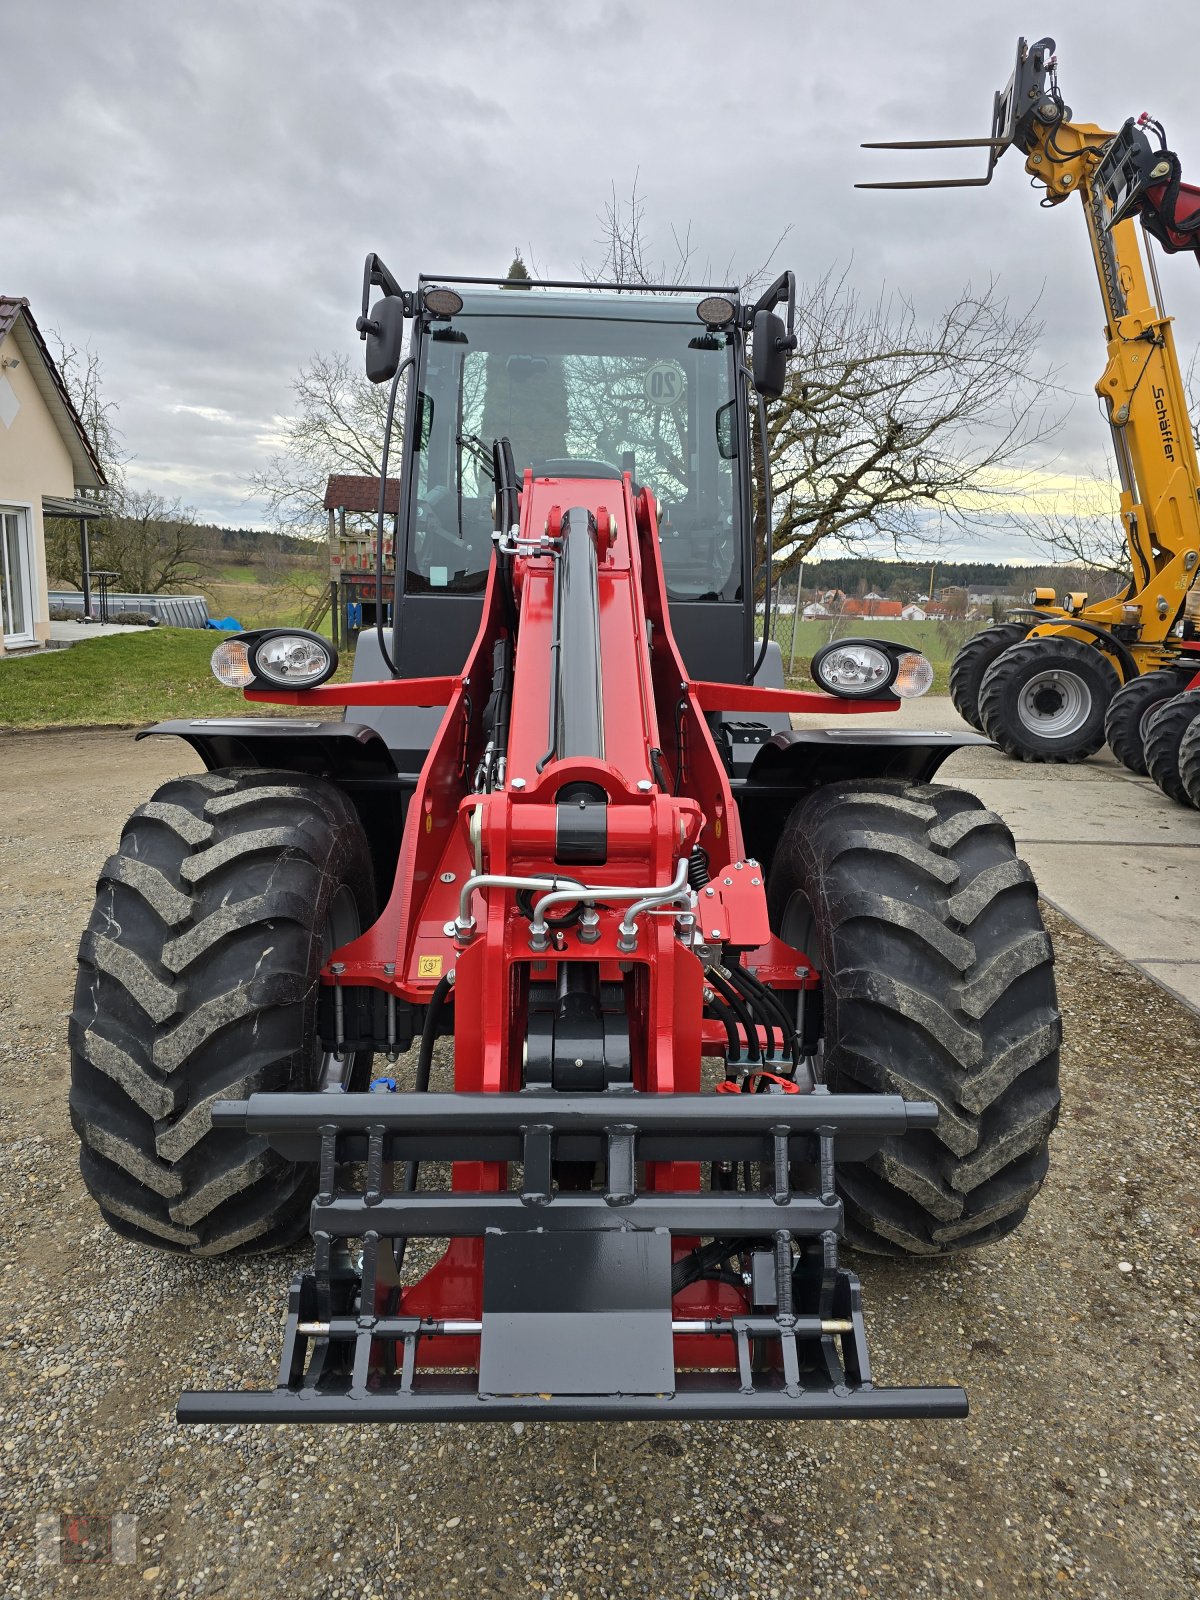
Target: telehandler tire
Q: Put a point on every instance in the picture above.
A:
(1045, 699)
(1189, 763)
(1130, 710)
(973, 660)
(938, 985)
(1164, 738)
(198, 981)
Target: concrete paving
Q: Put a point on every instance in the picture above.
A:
(1108, 849)
(73, 632)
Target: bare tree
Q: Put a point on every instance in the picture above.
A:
(628, 252)
(897, 425)
(337, 427)
(154, 543)
(1082, 528)
(891, 424)
(81, 371)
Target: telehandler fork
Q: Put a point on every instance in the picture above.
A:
(1041, 684)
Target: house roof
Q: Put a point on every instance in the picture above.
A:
(348, 491)
(17, 319)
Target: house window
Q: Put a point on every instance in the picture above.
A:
(16, 576)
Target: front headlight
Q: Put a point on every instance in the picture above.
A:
(293, 660)
(276, 658)
(854, 668)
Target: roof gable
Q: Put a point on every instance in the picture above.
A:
(17, 319)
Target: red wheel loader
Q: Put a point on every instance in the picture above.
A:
(721, 994)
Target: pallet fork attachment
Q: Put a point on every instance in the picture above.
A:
(576, 1316)
(1024, 93)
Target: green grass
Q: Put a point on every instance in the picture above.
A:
(137, 678)
(129, 679)
(939, 641)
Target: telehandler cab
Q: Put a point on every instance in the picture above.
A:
(1056, 680)
(721, 993)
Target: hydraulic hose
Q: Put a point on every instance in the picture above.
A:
(728, 1021)
(383, 466)
(433, 1013)
(740, 1010)
(770, 535)
(773, 1003)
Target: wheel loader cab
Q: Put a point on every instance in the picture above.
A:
(586, 385)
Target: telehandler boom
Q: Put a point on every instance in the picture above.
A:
(1041, 684)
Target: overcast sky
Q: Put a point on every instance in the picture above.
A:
(192, 187)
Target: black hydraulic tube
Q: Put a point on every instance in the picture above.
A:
(433, 1014)
(740, 1009)
(580, 728)
(727, 1020)
(770, 535)
(383, 466)
(773, 1003)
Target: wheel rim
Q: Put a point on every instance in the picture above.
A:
(341, 925)
(1144, 722)
(799, 927)
(1054, 704)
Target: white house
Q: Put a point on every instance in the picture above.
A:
(45, 458)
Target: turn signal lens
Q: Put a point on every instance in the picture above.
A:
(853, 669)
(231, 664)
(914, 675)
(293, 660)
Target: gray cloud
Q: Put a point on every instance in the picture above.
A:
(193, 187)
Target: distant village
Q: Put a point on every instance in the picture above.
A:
(949, 603)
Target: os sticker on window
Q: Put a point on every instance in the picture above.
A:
(663, 384)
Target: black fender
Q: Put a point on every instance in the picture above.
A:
(791, 765)
(350, 754)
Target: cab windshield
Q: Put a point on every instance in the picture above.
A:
(579, 395)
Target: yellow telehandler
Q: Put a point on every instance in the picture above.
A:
(1062, 675)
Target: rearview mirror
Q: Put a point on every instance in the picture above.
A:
(385, 338)
(769, 354)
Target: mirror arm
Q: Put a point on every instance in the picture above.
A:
(377, 275)
(770, 531)
(784, 288)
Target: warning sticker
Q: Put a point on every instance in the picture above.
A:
(429, 966)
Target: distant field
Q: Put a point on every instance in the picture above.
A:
(939, 641)
(237, 591)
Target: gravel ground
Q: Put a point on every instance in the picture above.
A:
(1075, 1475)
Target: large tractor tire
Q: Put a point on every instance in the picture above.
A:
(938, 984)
(1164, 739)
(1045, 699)
(198, 982)
(973, 660)
(1130, 710)
(1189, 763)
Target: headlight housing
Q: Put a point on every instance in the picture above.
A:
(857, 669)
(871, 669)
(274, 658)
